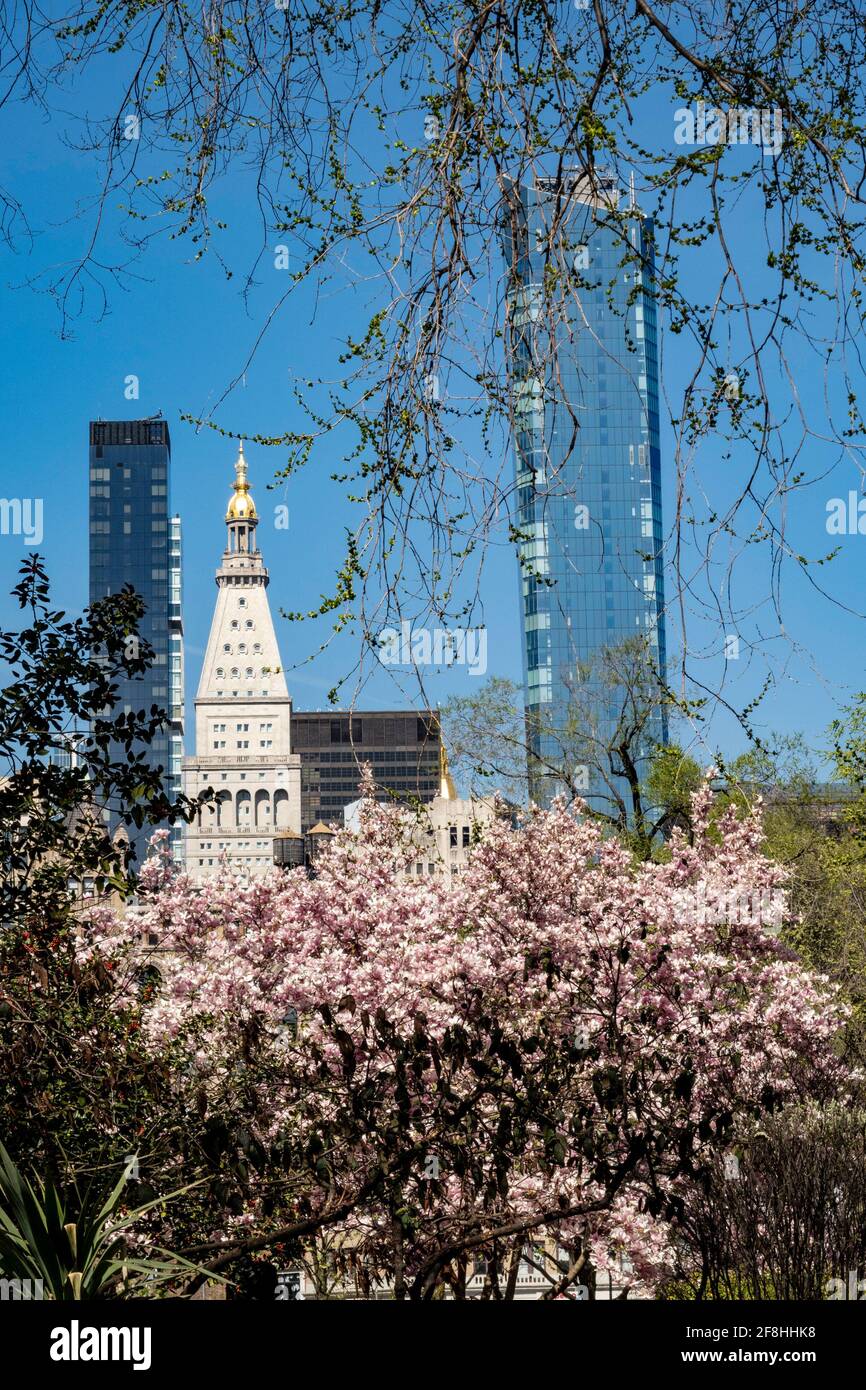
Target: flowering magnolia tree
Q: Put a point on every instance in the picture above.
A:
(417, 1077)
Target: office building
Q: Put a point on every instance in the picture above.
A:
(243, 712)
(402, 748)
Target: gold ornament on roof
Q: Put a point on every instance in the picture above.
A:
(241, 504)
(447, 789)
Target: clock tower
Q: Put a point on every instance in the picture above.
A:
(242, 713)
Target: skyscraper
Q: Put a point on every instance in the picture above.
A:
(585, 402)
(134, 540)
(243, 748)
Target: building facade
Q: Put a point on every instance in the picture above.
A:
(402, 748)
(134, 540)
(445, 830)
(585, 403)
(242, 713)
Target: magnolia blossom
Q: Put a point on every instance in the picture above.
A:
(618, 1027)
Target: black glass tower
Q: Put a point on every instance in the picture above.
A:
(402, 749)
(135, 540)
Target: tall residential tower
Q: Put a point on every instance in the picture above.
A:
(585, 399)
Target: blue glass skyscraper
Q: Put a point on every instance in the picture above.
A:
(585, 402)
(134, 540)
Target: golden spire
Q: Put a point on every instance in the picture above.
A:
(241, 504)
(447, 789)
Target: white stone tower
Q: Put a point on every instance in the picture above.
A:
(242, 713)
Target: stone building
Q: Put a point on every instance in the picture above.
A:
(444, 830)
(242, 712)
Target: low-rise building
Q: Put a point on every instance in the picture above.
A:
(445, 829)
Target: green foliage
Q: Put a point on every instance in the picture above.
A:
(815, 829)
(644, 787)
(63, 689)
(76, 1243)
(673, 778)
(71, 1067)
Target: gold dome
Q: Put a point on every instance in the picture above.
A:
(241, 505)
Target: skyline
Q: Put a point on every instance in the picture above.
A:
(199, 460)
(187, 344)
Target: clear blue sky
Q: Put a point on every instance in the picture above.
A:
(184, 330)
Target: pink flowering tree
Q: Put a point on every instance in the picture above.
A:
(414, 1077)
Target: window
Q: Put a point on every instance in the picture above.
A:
(466, 837)
(227, 646)
(242, 603)
(452, 836)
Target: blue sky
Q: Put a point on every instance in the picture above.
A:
(184, 330)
